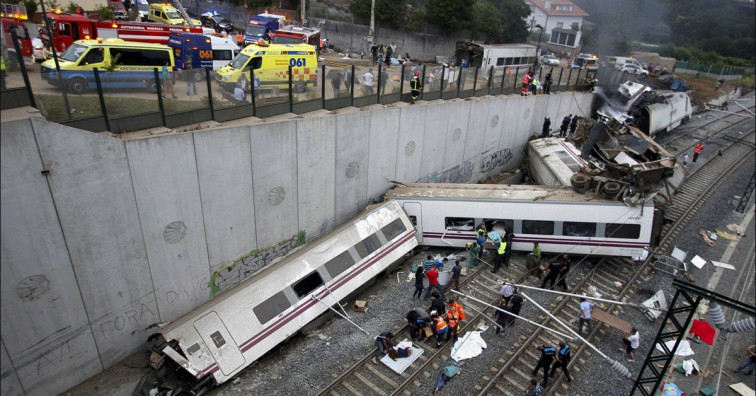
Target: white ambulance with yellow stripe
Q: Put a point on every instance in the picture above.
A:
(270, 63)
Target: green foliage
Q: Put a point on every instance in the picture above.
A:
(50, 4)
(112, 63)
(104, 13)
(487, 20)
(391, 12)
(450, 15)
(71, 7)
(31, 7)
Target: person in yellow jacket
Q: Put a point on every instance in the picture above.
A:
(500, 251)
(2, 72)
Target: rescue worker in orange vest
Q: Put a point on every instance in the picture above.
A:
(525, 84)
(454, 315)
(697, 151)
(440, 328)
(240, 39)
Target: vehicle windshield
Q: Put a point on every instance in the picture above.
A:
(173, 15)
(144, 7)
(239, 61)
(256, 31)
(219, 19)
(278, 39)
(73, 53)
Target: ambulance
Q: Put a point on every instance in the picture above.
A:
(197, 51)
(270, 63)
(166, 13)
(132, 65)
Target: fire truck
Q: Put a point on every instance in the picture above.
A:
(67, 28)
(297, 35)
(14, 17)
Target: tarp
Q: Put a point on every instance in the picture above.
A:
(683, 349)
(671, 389)
(704, 330)
(401, 364)
(469, 346)
(678, 85)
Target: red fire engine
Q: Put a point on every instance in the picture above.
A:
(67, 28)
(14, 16)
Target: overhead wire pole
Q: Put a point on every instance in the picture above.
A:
(639, 306)
(371, 32)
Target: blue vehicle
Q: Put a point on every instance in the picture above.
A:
(197, 51)
(262, 26)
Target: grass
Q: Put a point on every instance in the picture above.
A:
(54, 109)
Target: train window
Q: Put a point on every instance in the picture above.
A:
(218, 339)
(393, 229)
(538, 227)
(193, 349)
(308, 284)
(459, 224)
(572, 228)
(271, 307)
(413, 220)
(500, 62)
(501, 226)
(368, 245)
(339, 264)
(624, 231)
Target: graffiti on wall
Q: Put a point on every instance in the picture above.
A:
(494, 160)
(230, 275)
(458, 174)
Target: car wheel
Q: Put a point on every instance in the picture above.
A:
(77, 85)
(152, 86)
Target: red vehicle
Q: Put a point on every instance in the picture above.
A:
(297, 35)
(67, 28)
(13, 17)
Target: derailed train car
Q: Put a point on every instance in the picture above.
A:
(217, 340)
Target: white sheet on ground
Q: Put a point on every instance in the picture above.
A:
(682, 350)
(468, 346)
(401, 364)
(689, 365)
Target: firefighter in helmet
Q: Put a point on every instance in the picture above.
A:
(415, 86)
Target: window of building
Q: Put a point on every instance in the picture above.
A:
(339, 264)
(308, 284)
(571, 40)
(271, 307)
(393, 229)
(218, 339)
(623, 231)
(538, 227)
(459, 224)
(560, 24)
(579, 229)
(368, 245)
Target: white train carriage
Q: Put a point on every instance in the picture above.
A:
(553, 161)
(667, 115)
(225, 335)
(558, 218)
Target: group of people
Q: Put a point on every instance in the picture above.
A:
(442, 323)
(383, 53)
(569, 122)
(531, 84)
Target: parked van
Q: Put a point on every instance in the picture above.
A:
(270, 63)
(166, 13)
(144, 9)
(200, 51)
(133, 65)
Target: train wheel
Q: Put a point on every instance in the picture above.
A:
(580, 182)
(611, 189)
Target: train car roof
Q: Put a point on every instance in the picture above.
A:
(492, 192)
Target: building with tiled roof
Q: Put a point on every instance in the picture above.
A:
(561, 21)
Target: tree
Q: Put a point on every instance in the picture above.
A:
(450, 15)
(391, 12)
(105, 13)
(487, 20)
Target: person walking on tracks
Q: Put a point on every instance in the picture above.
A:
(419, 277)
(507, 291)
(474, 250)
(586, 308)
(697, 151)
(433, 283)
(547, 357)
(631, 342)
(516, 303)
(456, 274)
(415, 87)
(440, 327)
(565, 124)
(533, 262)
(453, 317)
(562, 360)
(562, 279)
(508, 251)
(551, 276)
(502, 316)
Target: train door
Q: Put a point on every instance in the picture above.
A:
(220, 343)
(414, 212)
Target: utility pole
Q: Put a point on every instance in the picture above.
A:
(371, 32)
(302, 13)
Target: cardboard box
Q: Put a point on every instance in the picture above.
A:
(360, 306)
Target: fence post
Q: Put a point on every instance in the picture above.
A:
(475, 80)
(322, 92)
(253, 91)
(401, 84)
(517, 74)
(210, 93)
(443, 72)
(102, 98)
(159, 86)
(577, 79)
(490, 78)
(569, 76)
(503, 77)
(378, 77)
(459, 81)
(351, 91)
(422, 91)
(291, 92)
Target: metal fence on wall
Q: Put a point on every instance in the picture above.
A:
(93, 100)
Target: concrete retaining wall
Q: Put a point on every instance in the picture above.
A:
(101, 237)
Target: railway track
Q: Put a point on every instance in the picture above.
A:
(513, 370)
